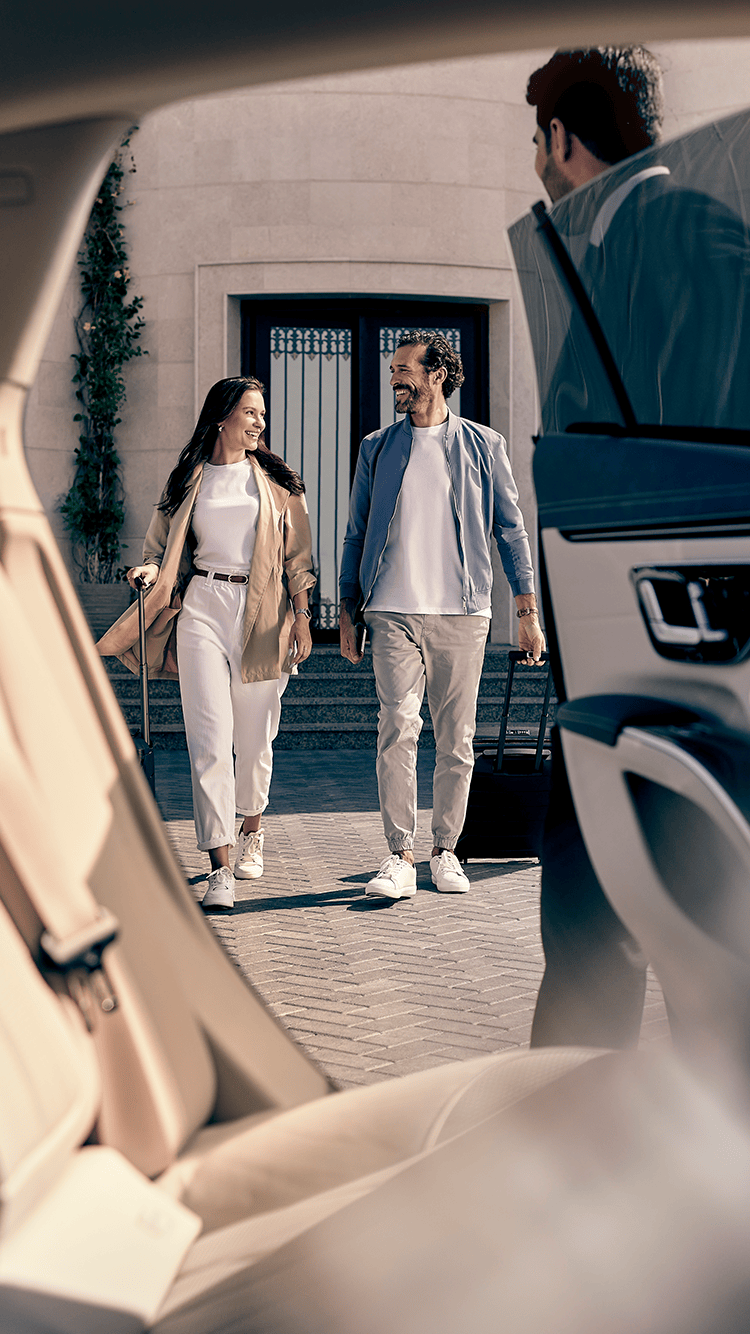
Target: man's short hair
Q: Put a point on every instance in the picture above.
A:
(610, 97)
(437, 352)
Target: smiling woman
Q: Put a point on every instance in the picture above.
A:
(231, 530)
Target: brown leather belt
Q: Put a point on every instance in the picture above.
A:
(225, 578)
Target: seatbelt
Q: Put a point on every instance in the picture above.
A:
(76, 945)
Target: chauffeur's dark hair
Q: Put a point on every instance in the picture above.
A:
(609, 97)
(437, 352)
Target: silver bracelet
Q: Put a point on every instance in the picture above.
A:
(304, 611)
(526, 611)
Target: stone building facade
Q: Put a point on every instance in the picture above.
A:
(292, 229)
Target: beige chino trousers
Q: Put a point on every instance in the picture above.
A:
(445, 655)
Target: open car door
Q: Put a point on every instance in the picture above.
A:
(642, 473)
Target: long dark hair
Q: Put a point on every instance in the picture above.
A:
(221, 400)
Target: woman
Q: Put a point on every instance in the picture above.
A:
(233, 519)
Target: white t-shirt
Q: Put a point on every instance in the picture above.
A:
(420, 572)
(225, 517)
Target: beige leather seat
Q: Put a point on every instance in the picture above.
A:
(190, 1081)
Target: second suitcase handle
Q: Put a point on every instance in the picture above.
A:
(514, 657)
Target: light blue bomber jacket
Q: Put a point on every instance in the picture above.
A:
(485, 504)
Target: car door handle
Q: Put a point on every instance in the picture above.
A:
(701, 632)
(696, 612)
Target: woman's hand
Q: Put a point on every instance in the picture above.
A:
(300, 641)
(148, 573)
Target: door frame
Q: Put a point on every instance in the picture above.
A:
(361, 314)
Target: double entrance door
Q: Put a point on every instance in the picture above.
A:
(325, 365)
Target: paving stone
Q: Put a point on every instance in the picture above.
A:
(372, 988)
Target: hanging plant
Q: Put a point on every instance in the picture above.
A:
(108, 328)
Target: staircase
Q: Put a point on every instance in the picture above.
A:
(331, 705)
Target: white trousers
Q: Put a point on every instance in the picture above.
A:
(222, 715)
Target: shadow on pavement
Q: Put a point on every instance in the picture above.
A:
(309, 900)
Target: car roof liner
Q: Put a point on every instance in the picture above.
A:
(87, 59)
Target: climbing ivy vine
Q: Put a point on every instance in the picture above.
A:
(108, 328)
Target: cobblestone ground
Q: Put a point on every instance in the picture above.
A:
(372, 988)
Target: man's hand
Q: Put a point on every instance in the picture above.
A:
(530, 637)
(348, 634)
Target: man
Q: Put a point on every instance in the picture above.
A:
(429, 494)
(666, 271)
(594, 108)
(665, 267)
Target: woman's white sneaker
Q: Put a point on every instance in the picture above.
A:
(220, 892)
(248, 863)
(447, 874)
(396, 879)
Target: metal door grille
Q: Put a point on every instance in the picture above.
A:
(310, 402)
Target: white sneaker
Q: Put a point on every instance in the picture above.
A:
(220, 892)
(396, 879)
(248, 863)
(447, 874)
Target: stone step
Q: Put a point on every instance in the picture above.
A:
(332, 713)
(361, 684)
(331, 704)
(128, 689)
(331, 691)
(328, 734)
(326, 660)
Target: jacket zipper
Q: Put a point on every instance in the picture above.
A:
(387, 534)
(458, 517)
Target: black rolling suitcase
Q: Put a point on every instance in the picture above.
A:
(143, 739)
(510, 786)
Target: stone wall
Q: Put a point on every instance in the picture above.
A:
(398, 181)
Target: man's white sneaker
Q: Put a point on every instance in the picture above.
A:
(396, 879)
(447, 874)
(248, 863)
(220, 892)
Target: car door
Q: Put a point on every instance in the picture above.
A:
(645, 535)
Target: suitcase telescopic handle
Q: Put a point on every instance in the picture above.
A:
(141, 586)
(514, 657)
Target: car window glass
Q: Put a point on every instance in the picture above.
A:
(661, 244)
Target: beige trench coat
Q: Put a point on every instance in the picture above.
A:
(280, 567)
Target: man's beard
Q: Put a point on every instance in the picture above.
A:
(555, 181)
(410, 400)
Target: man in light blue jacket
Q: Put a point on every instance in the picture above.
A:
(429, 495)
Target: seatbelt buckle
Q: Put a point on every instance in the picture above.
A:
(81, 953)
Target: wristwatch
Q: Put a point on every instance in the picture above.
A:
(526, 611)
(304, 611)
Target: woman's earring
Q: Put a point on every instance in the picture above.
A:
(221, 428)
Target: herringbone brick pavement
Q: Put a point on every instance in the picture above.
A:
(368, 987)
